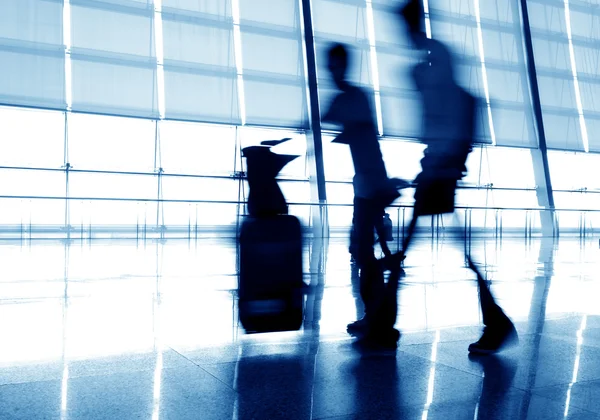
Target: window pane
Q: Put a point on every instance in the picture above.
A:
(206, 216)
(572, 171)
(114, 86)
(402, 158)
(32, 53)
(277, 103)
(124, 29)
(111, 143)
(213, 7)
(28, 182)
(496, 165)
(200, 76)
(23, 131)
(192, 95)
(280, 13)
(338, 193)
(114, 73)
(33, 77)
(100, 185)
(274, 89)
(296, 192)
(105, 213)
(337, 161)
(188, 148)
(194, 188)
(20, 213)
(555, 73)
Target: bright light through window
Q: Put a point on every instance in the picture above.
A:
(237, 42)
(484, 72)
(375, 70)
(67, 41)
(582, 124)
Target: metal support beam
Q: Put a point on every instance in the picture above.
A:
(540, 155)
(314, 138)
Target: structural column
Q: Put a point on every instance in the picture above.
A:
(314, 138)
(540, 155)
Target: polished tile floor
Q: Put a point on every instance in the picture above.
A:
(134, 330)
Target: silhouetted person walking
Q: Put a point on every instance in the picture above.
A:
(373, 192)
(448, 131)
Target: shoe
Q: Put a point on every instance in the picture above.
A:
(495, 339)
(358, 328)
(387, 338)
(379, 340)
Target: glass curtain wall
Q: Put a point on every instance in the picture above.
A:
(137, 122)
(565, 37)
(131, 114)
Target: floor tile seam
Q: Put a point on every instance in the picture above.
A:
(451, 341)
(470, 373)
(585, 410)
(539, 389)
(453, 401)
(204, 370)
(570, 338)
(37, 381)
(530, 391)
(449, 402)
(96, 374)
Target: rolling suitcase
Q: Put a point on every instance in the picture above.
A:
(271, 288)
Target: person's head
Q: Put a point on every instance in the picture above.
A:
(413, 15)
(337, 63)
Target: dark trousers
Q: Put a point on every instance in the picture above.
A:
(378, 297)
(380, 228)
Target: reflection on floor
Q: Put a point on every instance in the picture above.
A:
(119, 330)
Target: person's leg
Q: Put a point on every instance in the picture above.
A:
(371, 274)
(364, 226)
(382, 331)
(352, 247)
(499, 331)
(492, 314)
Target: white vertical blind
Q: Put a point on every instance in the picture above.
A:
(32, 53)
(555, 77)
(585, 28)
(199, 61)
(273, 63)
(113, 57)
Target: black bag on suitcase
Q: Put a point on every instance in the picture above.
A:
(270, 288)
